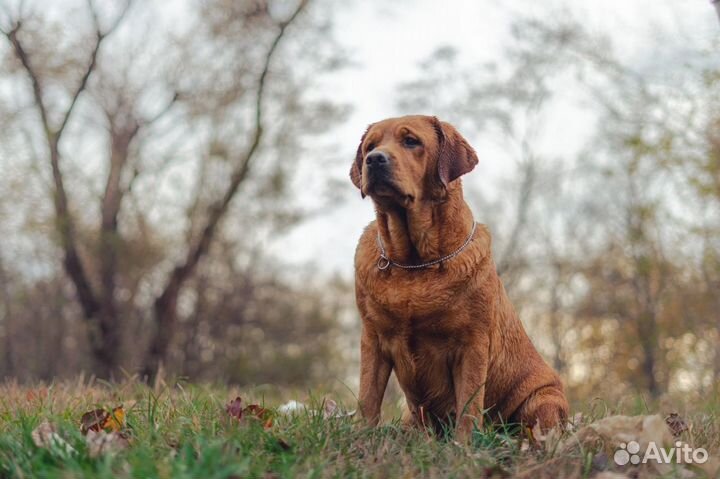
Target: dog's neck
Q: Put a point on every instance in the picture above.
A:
(427, 229)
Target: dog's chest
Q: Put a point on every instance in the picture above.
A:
(422, 350)
(416, 294)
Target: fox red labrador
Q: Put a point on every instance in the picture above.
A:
(433, 307)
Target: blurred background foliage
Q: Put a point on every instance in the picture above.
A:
(146, 169)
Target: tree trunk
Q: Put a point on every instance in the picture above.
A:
(9, 366)
(110, 241)
(165, 307)
(165, 312)
(74, 268)
(648, 344)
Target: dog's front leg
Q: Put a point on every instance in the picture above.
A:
(469, 376)
(375, 371)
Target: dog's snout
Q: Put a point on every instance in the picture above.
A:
(377, 159)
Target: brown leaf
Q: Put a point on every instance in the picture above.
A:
(257, 412)
(100, 419)
(115, 420)
(253, 411)
(93, 420)
(676, 424)
(234, 408)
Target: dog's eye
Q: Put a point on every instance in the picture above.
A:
(411, 142)
(370, 147)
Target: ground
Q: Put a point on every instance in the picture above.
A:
(185, 431)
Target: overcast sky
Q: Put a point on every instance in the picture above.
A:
(387, 43)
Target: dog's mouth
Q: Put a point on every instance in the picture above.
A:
(387, 191)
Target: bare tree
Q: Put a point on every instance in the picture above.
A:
(100, 322)
(165, 307)
(197, 102)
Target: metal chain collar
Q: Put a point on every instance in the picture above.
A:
(384, 262)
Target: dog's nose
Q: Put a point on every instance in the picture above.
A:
(377, 159)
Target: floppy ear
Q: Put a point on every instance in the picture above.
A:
(356, 169)
(455, 157)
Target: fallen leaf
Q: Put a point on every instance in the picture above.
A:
(115, 421)
(45, 436)
(676, 424)
(253, 411)
(257, 412)
(234, 408)
(100, 419)
(92, 420)
(102, 442)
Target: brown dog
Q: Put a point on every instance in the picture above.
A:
(447, 329)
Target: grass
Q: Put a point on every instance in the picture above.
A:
(183, 431)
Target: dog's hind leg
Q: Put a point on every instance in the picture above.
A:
(546, 406)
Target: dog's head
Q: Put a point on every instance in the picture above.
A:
(410, 158)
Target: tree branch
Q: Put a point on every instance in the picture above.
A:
(162, 112)
(22, 55)
(165, 304)
(240, 173)
(99, 37)
(63, 218)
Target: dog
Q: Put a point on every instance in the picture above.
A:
(433, 308)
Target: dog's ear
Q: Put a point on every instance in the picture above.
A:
(455, 155)
(356, 169)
